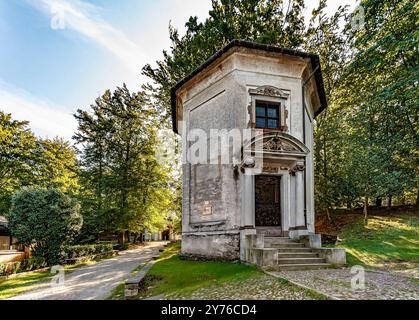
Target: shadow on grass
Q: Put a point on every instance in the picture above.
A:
(384, 242)
(171, 274)
(14, 286)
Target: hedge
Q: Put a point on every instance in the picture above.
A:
(70, 252)
(78, 251)
(31, 264)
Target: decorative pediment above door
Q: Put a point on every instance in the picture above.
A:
(280, 142)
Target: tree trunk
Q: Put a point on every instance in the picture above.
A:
(121, 238)
(328, 215)
(366, 211)
(390, 198)
(378, 202)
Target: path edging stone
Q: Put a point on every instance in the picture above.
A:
(132, 285)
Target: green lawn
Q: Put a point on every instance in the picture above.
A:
(27, 282)
(15, 286)
(388, 241)
(176, 278)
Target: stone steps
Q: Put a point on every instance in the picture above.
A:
(294, 255)
(287, 255)
(299, 261)
(294, 250)
(302, 266)
(277, 240)
(286, 245)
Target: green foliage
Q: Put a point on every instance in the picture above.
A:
(121, 246)
(269, 21)
(366, 144)
(77, 251)
(45, 219)
(125, 188)
(28, 161)
(17, 144)
(26, 265)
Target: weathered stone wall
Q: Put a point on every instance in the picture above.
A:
(219, 99)
(217, 245)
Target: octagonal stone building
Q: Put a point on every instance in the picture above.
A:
(246, 121)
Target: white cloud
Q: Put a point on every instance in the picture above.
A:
(46, 118)
(83, 18)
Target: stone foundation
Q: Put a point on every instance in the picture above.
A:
(225, 246)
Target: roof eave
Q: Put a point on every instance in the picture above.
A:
(314, 58)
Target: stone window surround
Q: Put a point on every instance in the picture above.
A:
(274, 95)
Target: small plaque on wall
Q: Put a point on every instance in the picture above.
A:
(207, 209)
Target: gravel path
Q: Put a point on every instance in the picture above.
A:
(261, 287)
(379, 285)
(95, 282)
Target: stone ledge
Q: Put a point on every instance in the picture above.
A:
(262, 257)
(198, 257)
(132, 285)
(334, 256)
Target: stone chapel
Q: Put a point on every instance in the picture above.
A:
(254, 201)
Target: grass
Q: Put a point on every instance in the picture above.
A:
(15, 286)
(118, 293)
(186, 276)
(29, 281)
(176, 278)
(390, 241)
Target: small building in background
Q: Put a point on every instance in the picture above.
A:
(10, 250)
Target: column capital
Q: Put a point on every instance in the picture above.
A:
(299, 167)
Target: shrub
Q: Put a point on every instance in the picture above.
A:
(45, 219)
(121, 247)
(31, 264)
(74, 252)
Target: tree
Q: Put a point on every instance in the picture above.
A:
(46, 219)
(269, 21)
(127, 187)
(17, 145)
(26, 160)
(57, 165)
(378, 91)
(325, 38)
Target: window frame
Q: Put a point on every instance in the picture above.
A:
(268, 105)
(270, 95)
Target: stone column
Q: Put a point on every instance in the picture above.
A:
(285, 202)
(299, 199)
(247, 209)
(299, 195)
(248, 200)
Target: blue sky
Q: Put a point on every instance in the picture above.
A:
(59, 55)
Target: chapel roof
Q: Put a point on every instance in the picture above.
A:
(314, 60)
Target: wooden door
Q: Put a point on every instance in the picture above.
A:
(267, 201)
